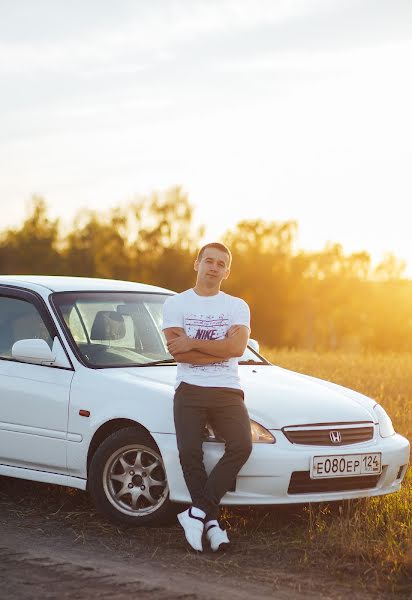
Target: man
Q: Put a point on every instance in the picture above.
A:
(206, 331)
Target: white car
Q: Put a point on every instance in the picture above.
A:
(86, 396)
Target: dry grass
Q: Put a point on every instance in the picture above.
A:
(371, 536)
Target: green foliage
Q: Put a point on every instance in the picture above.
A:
(315, 300)
(32, 249)
(165, 242)
(97, 247)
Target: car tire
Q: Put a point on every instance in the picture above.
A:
(127, 480)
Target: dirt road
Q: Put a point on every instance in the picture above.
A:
(53, 545)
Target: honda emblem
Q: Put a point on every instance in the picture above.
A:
(335, 437)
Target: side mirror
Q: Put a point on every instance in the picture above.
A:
(254, 345)
(38, 352)
(33, 351)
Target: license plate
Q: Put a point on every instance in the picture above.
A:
(346, 465)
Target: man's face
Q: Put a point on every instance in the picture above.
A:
(213, 267)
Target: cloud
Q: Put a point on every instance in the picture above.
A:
(150, 31)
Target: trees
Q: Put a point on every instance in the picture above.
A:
(34, 248)
(97, 246)
(316, 300)
(335, 297)
(164, 240)
(152, 239)
(265, 274)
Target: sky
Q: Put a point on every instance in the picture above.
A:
(272, 109)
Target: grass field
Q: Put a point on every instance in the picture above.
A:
(371, 537)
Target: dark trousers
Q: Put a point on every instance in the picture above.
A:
(224, 410)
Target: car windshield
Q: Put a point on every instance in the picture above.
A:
(112, 329)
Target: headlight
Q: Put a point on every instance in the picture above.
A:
(260, 435)
(385, 424)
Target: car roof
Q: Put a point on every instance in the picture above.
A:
(74, 284)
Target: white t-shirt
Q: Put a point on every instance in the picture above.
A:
(207, 318)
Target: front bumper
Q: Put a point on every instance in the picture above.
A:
(266, 476)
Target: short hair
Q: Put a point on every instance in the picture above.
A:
(218, 246)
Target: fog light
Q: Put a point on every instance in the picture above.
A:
(400, 472)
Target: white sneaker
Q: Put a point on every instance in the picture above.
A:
(217, 537)
(193, 525)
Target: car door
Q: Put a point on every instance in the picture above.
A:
(34, 398)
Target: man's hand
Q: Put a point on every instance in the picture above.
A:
(193, 357)
(180, 344)
(181, 347)
(233, 330)
(232, 345)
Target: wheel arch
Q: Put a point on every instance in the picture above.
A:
(110, 427)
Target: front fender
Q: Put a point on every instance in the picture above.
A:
(108, 398)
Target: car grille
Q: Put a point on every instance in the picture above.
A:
(301, 483)
(324, 436)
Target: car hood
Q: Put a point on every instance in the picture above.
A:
(276, 397)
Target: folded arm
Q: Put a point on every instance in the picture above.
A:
(231, 346)
(194, 357)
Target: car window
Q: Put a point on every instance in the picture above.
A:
(87, 312)
(20, 320)
(115, 329)
(76, 327)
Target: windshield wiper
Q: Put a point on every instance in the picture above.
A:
(252, 362)
(166, 361)
(171, 361)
